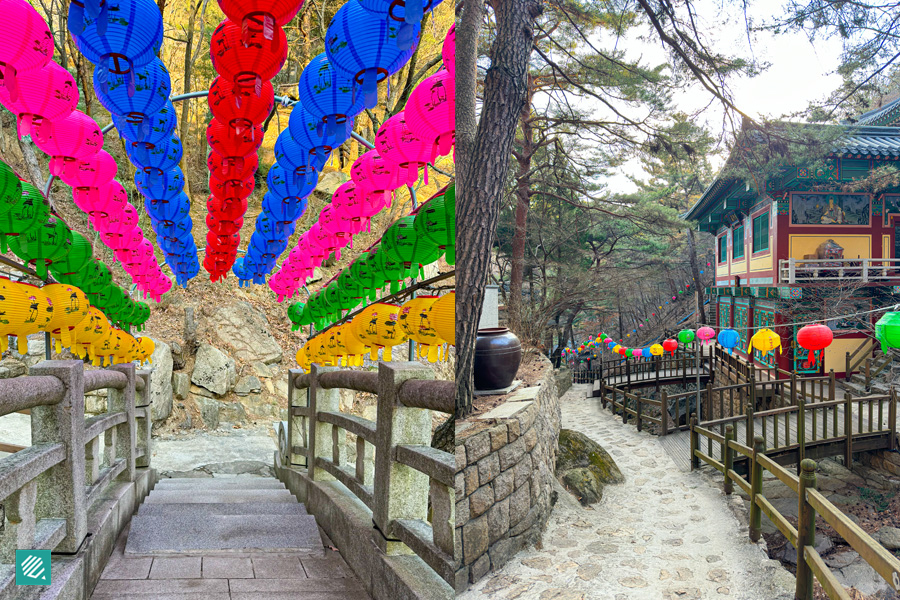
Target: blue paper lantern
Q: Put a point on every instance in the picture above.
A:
(166, 186)
(286, 210)
(728, 339)
(292, 156)
(117, 36)
(140, 98)
(328, 95)
(408, 12)
(307, 132)
(149, 129)
(157, 158)
(365, 48)
(281, 184)
(171, 210)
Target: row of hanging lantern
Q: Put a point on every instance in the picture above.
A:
(123, 39)
(65, 312)
(45, 241)
(247, 50)
(334, 87)
(813, 337)
(407, 245)
(428, 320)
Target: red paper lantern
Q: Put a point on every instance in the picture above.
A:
(815, 338)
(222, 139)
(670, 345)
(261, 16)
(232, 167)
(231, 188)
(246, 58)
(220, 227)
(229, 209)
(240, 110)
(223, 243)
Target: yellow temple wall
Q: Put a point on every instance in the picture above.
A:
(853, 245)
(836, 353)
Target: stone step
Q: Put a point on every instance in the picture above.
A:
(218, 496)
(210, 483)
(238, 508)
(185, 534)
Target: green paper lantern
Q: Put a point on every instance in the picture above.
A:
(887, 330)
(27, 213)
(686, 336)
(43, 245)
(79, 254)
(402, 244)
(10, 188)
(317, 310)
(141, 314)
(393, 271)
(352, 293)
(295, 314)
(436, 221)
(364, 273)
(94, 277)
(333, 301)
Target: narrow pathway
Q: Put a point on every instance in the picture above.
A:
(662, 535)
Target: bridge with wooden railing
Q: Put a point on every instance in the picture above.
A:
(762, 420)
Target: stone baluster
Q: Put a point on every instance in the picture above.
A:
(126, 433)
(144, 425)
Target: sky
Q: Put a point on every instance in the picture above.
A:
(798, 73)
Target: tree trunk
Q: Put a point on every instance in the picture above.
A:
(700, 312)
(523, 203)
(484, 165)
(35, 172)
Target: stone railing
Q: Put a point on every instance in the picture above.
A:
(396, 482)
(48, 490)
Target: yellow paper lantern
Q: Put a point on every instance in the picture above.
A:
(416, 324)
(70, 308)
(104, 348)
(616, 348)
(317, 351)
(145, 349)
(377, 326)
(442, 316)
(764, 340)
(35, 314)
(356, 347)
(302, 358)
(12, 310)
(126, 349)
(89, 331)
(334, 344)
(657, 350)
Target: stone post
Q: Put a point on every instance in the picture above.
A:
(756, 480)
(806, 530)
(143, 425)
(401, 492)
(320, 440)
(297, 425)
(126, 433)
(61, 492)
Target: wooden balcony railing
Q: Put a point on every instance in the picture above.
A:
(794, 270)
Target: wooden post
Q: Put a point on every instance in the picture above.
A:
(806, 531)
(637, 401)
(794, 389)
(729, 458)
(624, 406)
(627, 375)
(892, 419)
(868, 374)
(848, 429)
(707, 412)
(751, 426)
(695, 462)
(656, 369)
(801, 431)
(602, 393)
(759, 447)
(831, 384)
(664, 412)
(847, 367)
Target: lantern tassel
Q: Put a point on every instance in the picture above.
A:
(9, 82)
(370, 87)
(102, 18)
(76, 19)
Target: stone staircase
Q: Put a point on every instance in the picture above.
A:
(221, 516)
(880, 383)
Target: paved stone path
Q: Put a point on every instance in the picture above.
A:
(663, 534)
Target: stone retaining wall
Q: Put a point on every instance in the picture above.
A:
(883, 460)
(563, 380)
(505, 469)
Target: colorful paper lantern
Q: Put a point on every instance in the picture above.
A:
(764, 340)
(328, 95)
(27, 213)
(815, 338)
(120, 36)
(244, 58)
(442, 316)
(378, 326)
(260, 16)
(70, 308)
(44, 95)
(887, 331)
(656, 350)
(431, 112)
(73, 138)
(403, 244)
(729, 339)
(29, 49)
(10, 188)
(222, 139)
(43, 244)
(398, 144)
(448, 51)
(416, 324)
(706, 335)
(686, 336)
(670, 345)
(240, 110)
(136, 94)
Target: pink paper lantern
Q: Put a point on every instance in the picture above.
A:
(356, 205)
(398, 144)
(44, 95)
(448, 51)
(74, 138)
(110, 198)
(30, 48)
(431, 112)
(120, 222)
(373, 174)
(128, 239)
(309, 245)
(143, 252)
(332, 221)
(706, 334)
(94, 172)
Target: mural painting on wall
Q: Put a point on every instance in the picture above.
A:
(830, 209)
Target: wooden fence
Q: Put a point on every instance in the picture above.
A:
(407, 474)
(810, 565)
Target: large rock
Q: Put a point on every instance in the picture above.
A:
(247, 384)
(161, 381)
(889, 537)
(181, 385)
(244, 331)
(584, 466)
(213, 370)
(232, 412)
(209, 411)
(11, 367)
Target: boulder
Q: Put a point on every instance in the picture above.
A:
(12, 367)
(209, 411)
(161, 381)
(177, 356)
(213, 370)
(244, 331)
(889, 537)
(181, 385)
(584, 466)
(247, 384)
(232, 412)
(259, 406)
(261, 369)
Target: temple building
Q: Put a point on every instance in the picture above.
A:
(811, 248)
